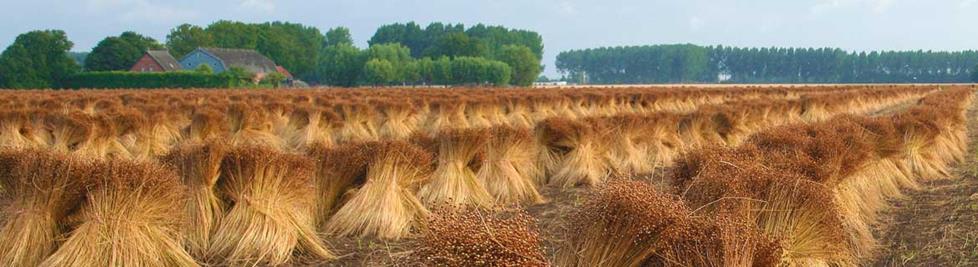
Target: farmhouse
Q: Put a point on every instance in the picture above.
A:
(222, 59)
(156, 61)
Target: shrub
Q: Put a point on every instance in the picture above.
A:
(180, 79)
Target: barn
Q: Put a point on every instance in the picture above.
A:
(222, 59)
(156, 61)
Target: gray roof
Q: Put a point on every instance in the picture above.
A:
(247, 59)
(163, 57)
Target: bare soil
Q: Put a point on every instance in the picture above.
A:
(937, 225)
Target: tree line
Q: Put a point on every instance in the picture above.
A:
(398, 54)
(687, 63)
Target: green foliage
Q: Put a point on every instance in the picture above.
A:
(241, 76)
(185, 38)
(392, 52)
(437, 71)
(293, 46)
(233, 34)
(524, 64)
(410, 35)
(204, 68)
(178, 79)
(691, 63)
(340, 65)
(273, 79)
(338, 36)
(479, 71)
(440, 39)
(457, 45)
(497, 37)
(399, 57)
(974, 74)
(37, 59)
(79, 57)
(379, 72)
(119, 53)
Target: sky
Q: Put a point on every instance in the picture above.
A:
(854, 25)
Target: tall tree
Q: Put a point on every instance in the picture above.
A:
(185, 38)
(524, 64)
(234, 34)
(338, 36)
(379, 72)
(974, 74)
(119, 53)
(340, 65)
(398, 56)
(294, 46)
(458, 45)
(37, 59)
(408, 34)
(691, 63)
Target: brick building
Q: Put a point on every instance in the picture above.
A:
(156, 61)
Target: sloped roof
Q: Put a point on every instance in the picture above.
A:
(283, 71)
(247, 59)
(163, 57)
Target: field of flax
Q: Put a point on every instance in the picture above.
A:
(684, 176)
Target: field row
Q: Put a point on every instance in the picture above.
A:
(254, 181)
(803, 194)
(145, 125)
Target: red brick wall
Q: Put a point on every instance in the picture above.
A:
(146, 64)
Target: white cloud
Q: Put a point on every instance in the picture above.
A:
(259, 5)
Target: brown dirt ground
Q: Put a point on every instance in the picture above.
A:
(937, 225)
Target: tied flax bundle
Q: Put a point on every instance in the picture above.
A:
(132, 216)
(270, 212)
(39, 190)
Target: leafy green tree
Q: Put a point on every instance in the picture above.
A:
(79, 57)
(692, 63)
(479, 71)
(294, 46)
(341, 65)
(338, 36)
(398, 56)
(524, 64)
(204, 68)
(37, 59)
(458, 45)
(185, 38)
(273, 79)
(379, 72)
(410, 73)
(240, 76)
(441, 71)
(408, 34)
(425, 69)
(392, 52)
(119, 53)
(234, 34)
(974, 74)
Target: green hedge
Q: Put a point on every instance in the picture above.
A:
(125, 79)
